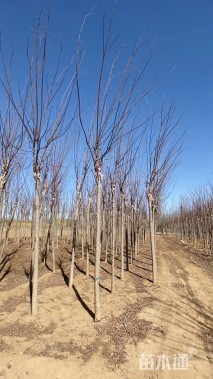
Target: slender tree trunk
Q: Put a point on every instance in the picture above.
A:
(53, 234)
(88, 236)
(74, 242)
(152, 240)
(137, 242)
(107, 245)
(103, 233)
(1, 206)
(61, 230)
(127, 242)
(32, 234)
(19, 231)
(47, 245)
(72, 268)
(113, 239)
(82, 232)
(122, 232)
(131, 236)
(36, 248)
(9, 223)
(98, 246)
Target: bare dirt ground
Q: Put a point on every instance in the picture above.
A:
(172, 317)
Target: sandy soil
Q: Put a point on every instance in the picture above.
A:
(173, 317)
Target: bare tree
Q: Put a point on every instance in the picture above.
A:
(118, 98)
(14, 188)
(126, 160)
(11, 139)
(42, 107)
(163, 153)
(57, 170)
(80, 180)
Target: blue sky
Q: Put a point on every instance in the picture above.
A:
(183, 35)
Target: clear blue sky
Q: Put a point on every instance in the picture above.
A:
(183, 35)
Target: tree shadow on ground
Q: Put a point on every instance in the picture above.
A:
(82, 302)
(8, 257)
(108, 272)
(139, 276)
(142, 268)
(101, 285)
(65, 277)
(7, 271)
(48, 267)
(7, 260)
(80, 269)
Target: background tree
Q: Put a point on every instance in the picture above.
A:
(81, 173)
(192, 221)
(164, 150)
(11, 140)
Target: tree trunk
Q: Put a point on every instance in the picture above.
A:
(152, 240)
(127, 242)
(122, 233)
(113, 239)
(88, 236)
(82, 232)
(35, 258)
(107, 244)
(32, 233)
(103, 233)
(53, 234)
(98, 247)
(74, 237)
(1, 218)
